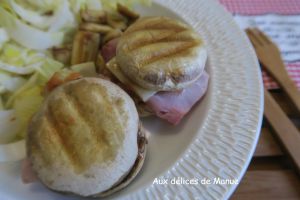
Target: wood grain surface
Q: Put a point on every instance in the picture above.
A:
(265, 185)
(271, 173)
(267, 144)
(284, 129)
(269, 56)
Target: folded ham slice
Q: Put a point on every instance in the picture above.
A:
(172, 106)
(108, 51)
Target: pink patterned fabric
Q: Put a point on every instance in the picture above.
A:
(258, 7)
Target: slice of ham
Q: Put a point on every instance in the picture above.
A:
(108, 51)
(172, 106)
(27, 174)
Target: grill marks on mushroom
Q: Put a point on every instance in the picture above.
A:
(159, 53)
(68, 114)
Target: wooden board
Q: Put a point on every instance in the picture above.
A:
(268, 185)
(267, 144)
(284, 103)
(271, 174)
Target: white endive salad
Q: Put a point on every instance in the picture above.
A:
(28, 29)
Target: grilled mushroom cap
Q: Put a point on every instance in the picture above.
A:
(160, 53)
(84, 139)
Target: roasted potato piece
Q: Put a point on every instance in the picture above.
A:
(117, 21)
(58, 79)
(126, 12)
(98, 28)
(85, 47)
(100, 63)
(102, 69)
(62, 54)
(95, 16)
(111, 35)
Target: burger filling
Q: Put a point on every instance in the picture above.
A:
(168, 105)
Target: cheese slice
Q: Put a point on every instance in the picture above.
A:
(143, 93)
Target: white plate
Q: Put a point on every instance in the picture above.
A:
(216, 140)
